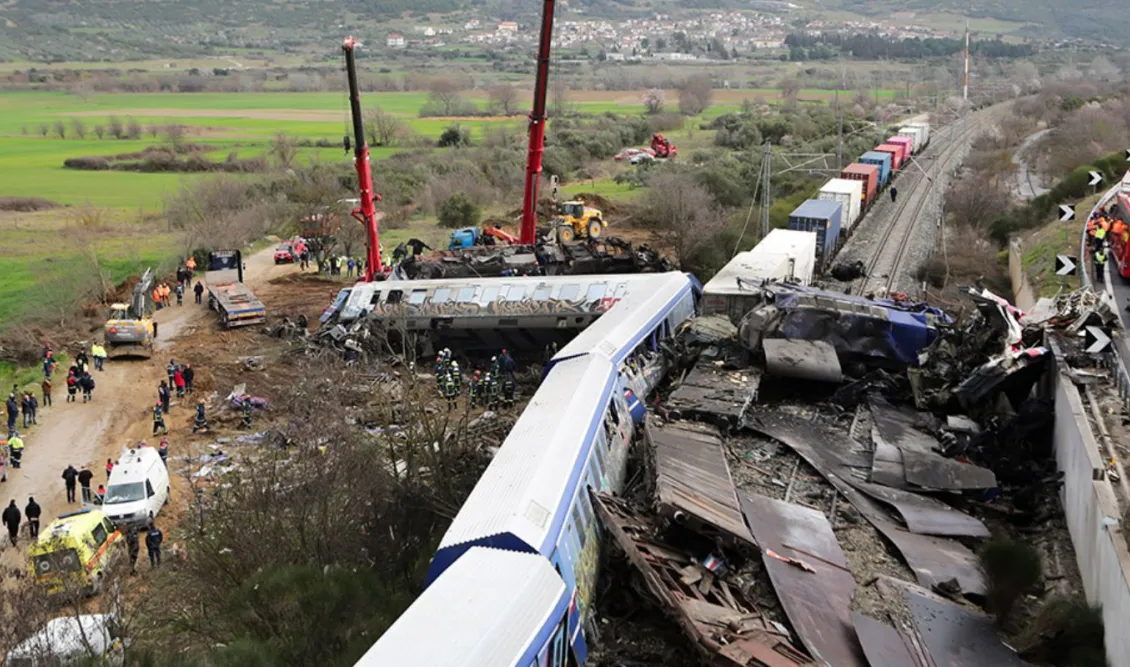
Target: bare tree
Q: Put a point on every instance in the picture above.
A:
(972, 200)
(117, 130)
(284, 150)
(44, 129)
(99, 130)
(175, 132)
(133, 128)
(653, 99)
(681, 215)
(790, 89)
(78, 128)
(559, 100)
(153, 129)
(60, 129)
(445, 94)
(383, 128)
(503, 99)
(695, 95)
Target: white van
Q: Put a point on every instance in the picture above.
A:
(138, 487)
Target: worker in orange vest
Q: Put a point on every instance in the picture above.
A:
(157, 297)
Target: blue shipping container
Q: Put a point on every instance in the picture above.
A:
(883, 160)
(824, 218)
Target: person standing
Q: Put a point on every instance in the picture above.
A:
(1100, 264)
(70, 476)
(25, 409)
(45, 386)
(171, 371)
(164, 395)
(159, 421)
(134, 547)
(198, 291)
(109, 469)
(188, 374)
(34, 403)
(99, 354)
(179, 289)
(153, 539)
(16, 448)
(48, 366)
(163, 451)
(72, 386)
(178, 382)
(87, 384)
(11, 518)
(32, 513)
(894, 193)
(200, 421)
(84, 478)
(13, 411)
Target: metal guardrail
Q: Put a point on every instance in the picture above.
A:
(1119, 350)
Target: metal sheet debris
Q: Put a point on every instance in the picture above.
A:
(710, 609)
(803, 359)
(932, 471)
(887, 468)
(693, 481)
(882, 644)
(899, 426)
(958, 637)
(810, 574)
(713, 394)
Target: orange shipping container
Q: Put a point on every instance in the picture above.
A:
(869, 174)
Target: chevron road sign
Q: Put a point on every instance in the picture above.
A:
(1065, 265)
(1066, 212)
(1096, 178)
(1096, 340)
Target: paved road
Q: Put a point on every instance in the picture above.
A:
(1029, 185)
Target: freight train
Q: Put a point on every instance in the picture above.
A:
(513, 580)
(842, 201)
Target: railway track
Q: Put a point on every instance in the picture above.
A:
(884, 266)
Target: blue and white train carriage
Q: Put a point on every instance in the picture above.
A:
(513, 580)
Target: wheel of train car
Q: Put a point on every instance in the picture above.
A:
(594, 228)
(565, 234)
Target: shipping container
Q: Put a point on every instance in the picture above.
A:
(868, 174)
(907, 143)
(850, 194)
(824, 218)
(896, 155)
(782, 255)
(924, 128)
(882, 161)
(917, 135)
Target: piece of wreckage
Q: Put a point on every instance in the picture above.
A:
(604, 255)
(809, 333)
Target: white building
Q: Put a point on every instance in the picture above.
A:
(395, 41)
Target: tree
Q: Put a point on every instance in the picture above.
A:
(653, 100)
(445, 96)
(175, 132)
(60, 129)
(153, 130)
(78, 128)
(99, 131)
(382, 128)
(681, 215)
(695, 95)
(284, 150)
(503, 99)
(459, 211)
(117, 130)
(133, 128)
(44, 129)
(454, 137)
(790, 88)
(559, 103)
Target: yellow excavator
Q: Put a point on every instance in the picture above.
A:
(129, 329)
(576, 221)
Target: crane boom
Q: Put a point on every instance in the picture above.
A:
(528, 231)
(366, 212)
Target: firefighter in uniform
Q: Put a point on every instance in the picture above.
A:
(159, 420)
(449, 391)
(456, 376)
(508, 388)
(491, 385)
(245, 420)
(475, 389)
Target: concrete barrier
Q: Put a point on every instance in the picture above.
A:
(1022, 295)
(1093, 517)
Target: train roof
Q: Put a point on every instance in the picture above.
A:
(521, 499)
(636, 315)
(492, 608)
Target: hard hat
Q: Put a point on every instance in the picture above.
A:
(455, 365)
(494, 358)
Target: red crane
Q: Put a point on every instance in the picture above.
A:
(366, 213)
(528, 232)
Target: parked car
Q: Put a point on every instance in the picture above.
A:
(285, 253)
(626, 154)
(641, 157)
(74, 550)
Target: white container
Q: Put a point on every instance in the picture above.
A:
(782, 255)
(850, 195)
(924, 128)
(915, 136)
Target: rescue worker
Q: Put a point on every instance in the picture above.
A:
(16, 448)
(157, 297)
(491, 385)
(33, 403)
(159, 420)
(153, 539)
(87, 384)
(32, 512)
(449, 391)
(134, 547)
(506, 362)
(13, 411)
(70, 477)
(188, 374)
(109, 468)
(171, 371)
(72, 386)
(178, 382)
(245, 420)
(495, 367)
(100, 495)
(164, 396)
(45, 386)
(180, 293)
(475, 388)
(894, 193)
(508, 389)
(11, 518)
(439, 370)
(198, 291)
(99, 354)
(163, 450)
(25, 409)
(1100, 264)
(200, 422)
(1100, 233)
(457, 377)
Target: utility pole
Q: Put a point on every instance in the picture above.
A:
(766, 184)
(965, 78)
(840, 144)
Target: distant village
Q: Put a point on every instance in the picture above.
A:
(710, 36)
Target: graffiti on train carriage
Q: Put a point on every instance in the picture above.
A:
(493, 304)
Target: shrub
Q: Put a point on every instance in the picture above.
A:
(1010, 568)
(1067, 631)
(459, 211)
(454, 137)
(93, 163)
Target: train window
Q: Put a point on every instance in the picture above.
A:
(465, 294)
(394, 296)
(417, 297)
(601, 438)
(489, 294)
(516, 292)
(441, 295)
(596, 292)
(569, 292)
(621, 289)
(607, 434)
(578, 521)
(586, 509)
(541, 294)
(594, 472)
(613, 412)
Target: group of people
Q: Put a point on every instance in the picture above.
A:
(1102, 229)
(180, 378)
(13, 519)
(343, 265)
(495, 386)
(162, 295)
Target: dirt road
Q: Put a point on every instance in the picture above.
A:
(87, 434)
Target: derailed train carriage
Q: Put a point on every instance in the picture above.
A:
(513, 580)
